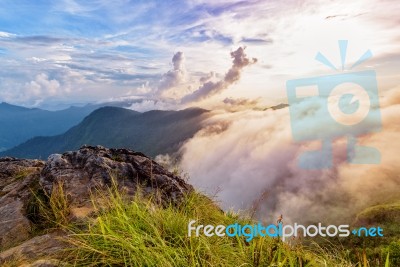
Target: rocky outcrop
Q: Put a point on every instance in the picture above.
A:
(80, 174)
(18, 178)
(91, 168)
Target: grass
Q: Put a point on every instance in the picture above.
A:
(24, 172)
(138, 232)
(376, 250)
(49, 211)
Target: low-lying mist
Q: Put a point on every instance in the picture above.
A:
(249, 159)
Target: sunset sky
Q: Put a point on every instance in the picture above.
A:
(56, 53)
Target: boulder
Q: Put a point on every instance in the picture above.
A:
(81, 175)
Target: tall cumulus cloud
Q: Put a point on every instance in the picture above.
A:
(211, 88)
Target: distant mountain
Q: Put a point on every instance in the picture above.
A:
(153, 132)
(18, 124)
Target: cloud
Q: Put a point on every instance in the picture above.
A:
(175, 83)
(202, 33)
(249, 157)
(42, 87)
(175, 77)
(171, 89)
(257, 40)
(210, 88)
(240, 104)
(39, 40)
(178, 60)
(207, 77)
(6, 35)
(125, 46)
(240, 101)
(151, 104)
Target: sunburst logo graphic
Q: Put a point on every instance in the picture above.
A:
(343, 52)
(341, 105)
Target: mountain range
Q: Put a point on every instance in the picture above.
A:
(19, 124)
(153, 132)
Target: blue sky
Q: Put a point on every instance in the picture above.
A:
(63, 52)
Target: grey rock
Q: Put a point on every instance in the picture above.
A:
(94, 168)
(82, 172)
(17, 179)
(14, 226)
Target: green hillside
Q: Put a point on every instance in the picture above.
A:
(153, 132)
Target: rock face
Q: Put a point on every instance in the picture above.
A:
(17, 179)
(79, 173)
(39, 247)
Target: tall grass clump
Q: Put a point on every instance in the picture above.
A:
(140, 232)
(49, 211)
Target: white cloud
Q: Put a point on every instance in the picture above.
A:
(120, 52)
(249, 157)
(173, 80)
(211, 88)
(42, 87)
(149, 104)
(6, 34)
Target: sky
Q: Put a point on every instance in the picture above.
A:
(174, 54)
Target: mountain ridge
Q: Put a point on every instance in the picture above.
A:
(152, 132)
(21, 123)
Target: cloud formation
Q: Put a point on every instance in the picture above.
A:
(210, 88)
(240, 101)
(175, 77)
(42, 86)
(249, 157)
(115, 47)
(173, 89)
